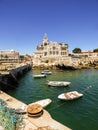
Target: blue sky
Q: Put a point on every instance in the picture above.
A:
(24, 22)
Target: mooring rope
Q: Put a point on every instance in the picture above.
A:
(57, 106)
(86, 88)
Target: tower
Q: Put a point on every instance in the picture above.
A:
(45, 40)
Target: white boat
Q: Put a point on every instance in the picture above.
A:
(58, 83)
(70, 95)
(43, 102)
(39, 76)
(46, 72)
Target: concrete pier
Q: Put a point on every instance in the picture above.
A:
(9, 79)
(44, 122)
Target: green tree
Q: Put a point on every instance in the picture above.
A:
(76, 50)
(95, 50)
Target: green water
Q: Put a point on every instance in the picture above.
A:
(81, 114)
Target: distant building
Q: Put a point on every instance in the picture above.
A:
(85, 54)
(51, 49)
(9, 55)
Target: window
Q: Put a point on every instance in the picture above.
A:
(54, 47)
(45, 53)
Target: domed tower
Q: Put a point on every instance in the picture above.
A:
(45, 40)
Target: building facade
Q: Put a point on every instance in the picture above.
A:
(51, 49)
(9, 55)
(55, 53)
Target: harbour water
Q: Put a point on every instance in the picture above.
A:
(80, 114)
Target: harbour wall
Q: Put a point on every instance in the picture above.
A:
(9, 79)
(66, 63)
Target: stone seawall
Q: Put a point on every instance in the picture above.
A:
(70, 63)
(9, 80)
(65, 67)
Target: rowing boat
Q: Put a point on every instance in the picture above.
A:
(44, 102)
(58, 83)
(70, 95)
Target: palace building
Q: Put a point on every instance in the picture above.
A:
(51, 49)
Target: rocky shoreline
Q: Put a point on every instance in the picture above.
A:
(64, 67)
(71, 63)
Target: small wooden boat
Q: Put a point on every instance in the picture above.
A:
(39, 76)
(48, 72)
(34, 110)
(70, 95)
(58, 83)
(43, 102)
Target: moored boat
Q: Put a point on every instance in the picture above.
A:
(43, 102)
(46, 72)
(58, 83)
(34, 110)
(70, 95)
(39, 76)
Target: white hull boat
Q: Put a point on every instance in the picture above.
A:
(58, 83)
(70, 95)
(39, 76)
(44, 102)
(48, 72)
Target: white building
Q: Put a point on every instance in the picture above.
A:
(51, 49)
(50, 52)
(9, 55)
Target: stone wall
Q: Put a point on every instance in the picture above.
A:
(66, 62)
(10, 80)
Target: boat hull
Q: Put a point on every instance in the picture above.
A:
(58, 83)
(44, 103)
(70, 96)
(39, 76)
(47, 72)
